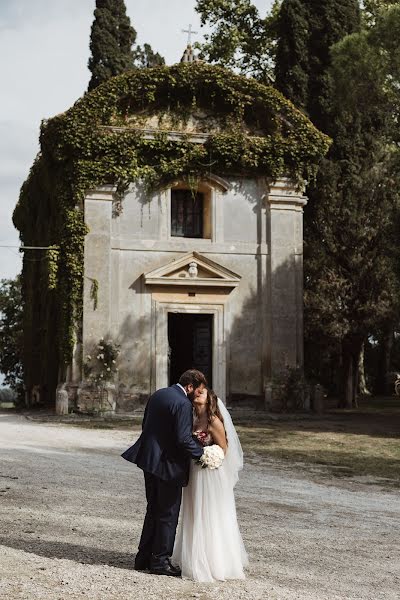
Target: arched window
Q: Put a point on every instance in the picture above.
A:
(187, 213)
(191, 211)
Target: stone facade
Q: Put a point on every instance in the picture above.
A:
(246, 273)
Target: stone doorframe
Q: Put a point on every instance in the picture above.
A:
(160, 310)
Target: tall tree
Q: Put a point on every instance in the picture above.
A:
(111, 41)
(11, 317)
(292, 66)
(352, 227)
(306, 31)
(240, 38)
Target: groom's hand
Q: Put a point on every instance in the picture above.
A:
(184, 434)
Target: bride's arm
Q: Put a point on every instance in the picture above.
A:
(217, 430)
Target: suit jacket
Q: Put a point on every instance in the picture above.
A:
(166, 444)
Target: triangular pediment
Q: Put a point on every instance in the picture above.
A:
(193, 269)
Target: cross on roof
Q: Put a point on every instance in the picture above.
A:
(190, 32)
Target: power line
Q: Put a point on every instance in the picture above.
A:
(27, 247)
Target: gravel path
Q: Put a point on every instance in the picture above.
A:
(71, 512)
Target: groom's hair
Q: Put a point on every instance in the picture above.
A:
(193, 377)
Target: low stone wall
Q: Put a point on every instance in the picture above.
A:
(109, 399)
(128, 401)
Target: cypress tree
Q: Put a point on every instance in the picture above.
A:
(306, 31)
(344, 278)
(111, 41)
(351, 222)
(292, 69)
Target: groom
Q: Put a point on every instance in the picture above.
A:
(163, 452)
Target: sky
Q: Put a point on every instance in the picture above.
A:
(44, 49)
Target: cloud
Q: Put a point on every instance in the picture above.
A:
(17, 14)
(48, 47)
(48, 71)
(18, 143)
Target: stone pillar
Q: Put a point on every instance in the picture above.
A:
(97, 274)
(98, 216)
(285, 286)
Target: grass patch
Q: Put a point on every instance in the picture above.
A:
(317, 443)
(378, 405)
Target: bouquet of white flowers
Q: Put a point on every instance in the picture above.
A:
(212, 457)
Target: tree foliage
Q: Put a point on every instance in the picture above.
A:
(11, 319)
(146, 57)
(352, 226)
(111, 41)
(373, 8)
(306, 31)
(240, 38)
(112, 44)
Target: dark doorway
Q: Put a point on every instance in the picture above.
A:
(190, 344)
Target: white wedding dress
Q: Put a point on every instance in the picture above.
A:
(208, 544)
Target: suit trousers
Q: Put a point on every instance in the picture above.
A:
(159, 527)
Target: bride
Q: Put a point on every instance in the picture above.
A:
(208, 545)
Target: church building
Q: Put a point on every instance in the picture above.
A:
(178, 191)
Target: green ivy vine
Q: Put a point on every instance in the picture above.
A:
(94, 292)
(255, 132)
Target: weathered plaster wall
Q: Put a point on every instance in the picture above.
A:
(256, 235)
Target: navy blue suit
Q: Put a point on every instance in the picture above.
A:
(163, 452)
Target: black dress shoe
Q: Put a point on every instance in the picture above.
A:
(166, 569)
(175, 568)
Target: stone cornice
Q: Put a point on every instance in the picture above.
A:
(103, 192)
(285, 195)
(150, 134)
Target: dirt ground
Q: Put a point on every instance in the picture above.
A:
(71, 512)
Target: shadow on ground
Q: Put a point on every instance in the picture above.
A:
(63, 550)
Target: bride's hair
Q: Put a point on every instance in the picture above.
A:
(213, 409)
